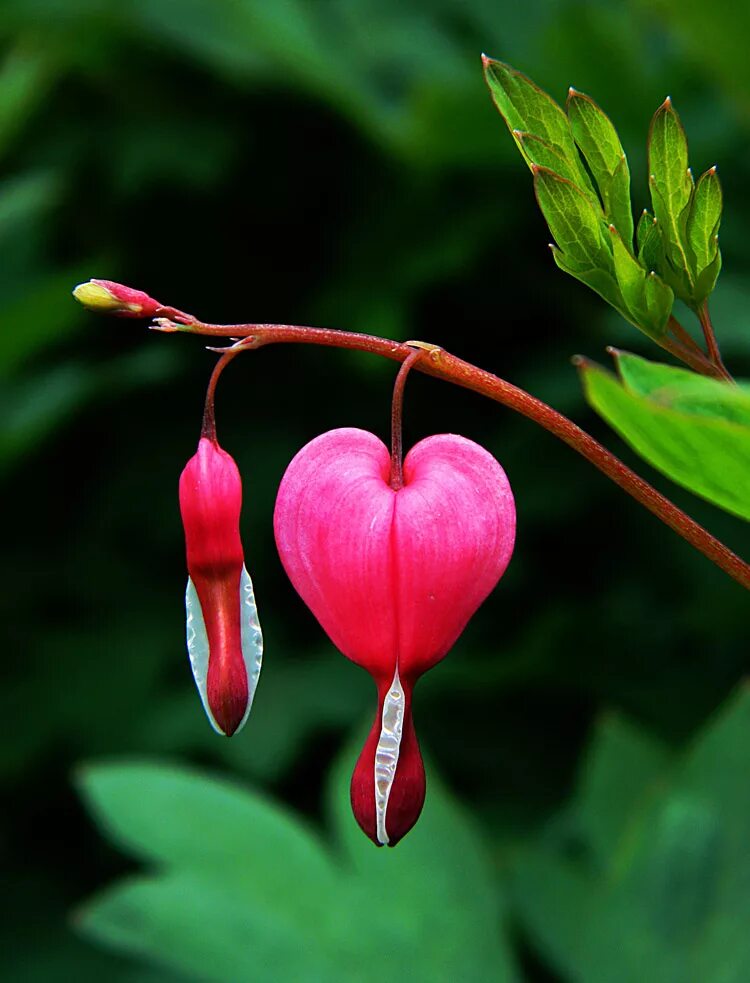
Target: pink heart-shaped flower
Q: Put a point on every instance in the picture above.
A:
(393, 576)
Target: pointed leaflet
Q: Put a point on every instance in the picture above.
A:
(702, 233)
(671, 190)
(694, 429)
(597, 138)
(647, 298)
(600, 280)
(526, 108)
(617, 202)
(648, 239)
(538, 151)
(572, 219)
(583, 251)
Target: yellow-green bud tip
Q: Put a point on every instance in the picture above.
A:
(95, 297)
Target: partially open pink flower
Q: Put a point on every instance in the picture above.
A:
(223, 633)
(393, 576)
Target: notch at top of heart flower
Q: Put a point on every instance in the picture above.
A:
(393, 561)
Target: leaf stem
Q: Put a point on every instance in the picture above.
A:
(711, 343)
(684, 348)
(442, 365)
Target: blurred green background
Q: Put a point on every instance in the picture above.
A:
(339, 163)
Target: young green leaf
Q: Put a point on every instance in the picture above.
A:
(659, 302)
(650, 246)
(595, 277)
(707, 278)
(617, 204)
(538, 151)
(703, 223)
(671, 185)
(571, 217)
(528, 109)
(597, 138)
(647, 298)
(704, 218)
(630, 276)
(694, 429)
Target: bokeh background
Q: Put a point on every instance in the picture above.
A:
(339, 163)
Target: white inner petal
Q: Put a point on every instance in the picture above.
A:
(386, 753)
(251, 640)
(197, 645)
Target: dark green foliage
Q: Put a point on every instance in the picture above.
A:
(240, 889)
(661, 875)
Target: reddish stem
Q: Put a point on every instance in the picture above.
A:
(684, 348)
(711, 344)
(397, 408)
(443, 365)
(208, 428)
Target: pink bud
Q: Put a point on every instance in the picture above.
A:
(223, 633)
(108, 297)
(393, 576)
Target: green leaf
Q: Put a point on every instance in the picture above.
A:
(617, 205)
(242, 891)
(707, 279)
(671, 191)
(553, 897)
(650, 245)
(572, 219)
(703, 223)
(648, 300)
(205, 929)
(659, 303)
(676, 897)
(619, 772)
(538, 151)
(694, 429)
(208, 829)
(593, 276)
(527, 109)
(704, 219)
(598, 140)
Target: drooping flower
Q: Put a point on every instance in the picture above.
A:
(223, 634)
(393, 576)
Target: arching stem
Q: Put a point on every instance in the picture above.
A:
(442, 365)
(397, 408)
(208, 427)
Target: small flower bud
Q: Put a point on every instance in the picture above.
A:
(223, 634)
(108, 297)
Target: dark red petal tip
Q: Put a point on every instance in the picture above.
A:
(407, 791)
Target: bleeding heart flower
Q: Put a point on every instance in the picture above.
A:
(223, 634)
(393, 576)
